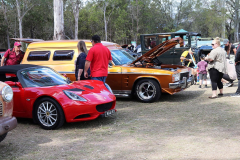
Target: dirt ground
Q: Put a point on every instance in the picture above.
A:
(187, 125)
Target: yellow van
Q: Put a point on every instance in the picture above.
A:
(59, 55)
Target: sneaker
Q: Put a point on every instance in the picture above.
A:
(225, 85)
(229, 84)
(235, 95)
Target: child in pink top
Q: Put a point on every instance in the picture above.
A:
(202, 67)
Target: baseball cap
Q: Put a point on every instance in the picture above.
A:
(225, 41)
(17, 44)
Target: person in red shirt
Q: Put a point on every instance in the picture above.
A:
(14, 56)
(97, 59)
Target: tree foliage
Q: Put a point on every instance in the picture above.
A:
(121, 21)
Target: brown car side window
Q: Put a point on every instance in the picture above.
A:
(39, 56)
(63, 55)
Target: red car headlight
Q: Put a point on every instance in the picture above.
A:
(74, 96)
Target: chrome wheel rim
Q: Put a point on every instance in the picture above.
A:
(47, 114)
(146, 91)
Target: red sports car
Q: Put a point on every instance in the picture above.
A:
(51, 99)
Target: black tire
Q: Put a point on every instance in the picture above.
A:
(48, 117)
(147, 90)
(2, 137)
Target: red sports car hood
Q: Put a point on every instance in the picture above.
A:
(90, 89)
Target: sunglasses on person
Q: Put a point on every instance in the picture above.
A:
(213, 44)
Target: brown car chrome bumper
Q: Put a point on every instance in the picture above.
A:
(7, 124)
(184, 83)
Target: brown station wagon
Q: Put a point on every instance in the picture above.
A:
(7, 122)
(146, 78)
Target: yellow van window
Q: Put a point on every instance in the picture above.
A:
(39, 56)
(63, 55)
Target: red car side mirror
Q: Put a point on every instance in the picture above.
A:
(18, 84)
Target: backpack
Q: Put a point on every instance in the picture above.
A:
(231, 71)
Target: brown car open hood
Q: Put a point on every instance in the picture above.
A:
(149, 57)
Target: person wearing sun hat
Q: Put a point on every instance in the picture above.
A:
(13, 56)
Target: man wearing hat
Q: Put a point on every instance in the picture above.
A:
(13, 56)
(230, 49)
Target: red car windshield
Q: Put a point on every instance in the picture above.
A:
(41, 77)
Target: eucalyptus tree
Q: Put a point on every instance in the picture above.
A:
(135, 12)
(58, 20)
(107, 7)
(76, 5)
(23, 7)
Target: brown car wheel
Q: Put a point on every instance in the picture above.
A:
(147, 90)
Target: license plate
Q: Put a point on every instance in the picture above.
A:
(109, 113)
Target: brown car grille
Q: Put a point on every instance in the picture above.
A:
(1, 108)
(184, 74)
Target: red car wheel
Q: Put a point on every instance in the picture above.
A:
(49, 114)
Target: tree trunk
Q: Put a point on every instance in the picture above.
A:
(76, 7)
(58, 20)
(137, 18)
(76, 25)
(236, 21)
(105, 21)
(19, 19)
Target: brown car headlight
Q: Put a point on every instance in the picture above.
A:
(175, 77)
(7, 93)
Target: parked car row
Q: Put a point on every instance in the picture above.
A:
(146, 82)
(42, 93)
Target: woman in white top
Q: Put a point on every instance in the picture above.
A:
(216, 67)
